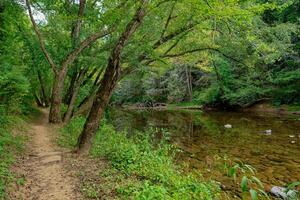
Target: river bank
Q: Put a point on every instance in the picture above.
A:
(261, 107)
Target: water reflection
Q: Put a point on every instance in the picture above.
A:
(276, 156)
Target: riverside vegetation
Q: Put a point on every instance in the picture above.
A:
(144, 170)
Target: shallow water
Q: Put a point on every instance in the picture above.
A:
(202, 137)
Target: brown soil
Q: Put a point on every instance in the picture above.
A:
(43, 166)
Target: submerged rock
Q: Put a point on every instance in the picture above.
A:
(293, 142)
(268, 131)
(291, 136)
(283, 193)
(228, 126)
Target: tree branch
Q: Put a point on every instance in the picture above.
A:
(168, 21)
(203, 49)
(84, 44)
(166, 38)
(40, 39)
(77, 26)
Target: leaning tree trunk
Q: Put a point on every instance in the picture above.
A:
(108, 83)
(71, 105)
(85, 105)
(70, 91)
(56, 98)
(75, 91)
(104, 93)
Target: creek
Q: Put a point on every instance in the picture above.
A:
(204, 140)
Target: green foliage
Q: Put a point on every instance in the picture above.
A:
(8, 146)
(146, 167)
(70, 132)
(249, 183)
(154, 165)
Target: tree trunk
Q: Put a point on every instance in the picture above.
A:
(87, 102)
(104, 93)
(86, 105)
(70, 90)
(188, 83)
(56, 98)
(108, 83)
(38, 101)
(71, 105)
(75, 91)
(45, 99)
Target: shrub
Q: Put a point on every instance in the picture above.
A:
(152, 164)
(70, 133)
(141, 167)
(8, 145)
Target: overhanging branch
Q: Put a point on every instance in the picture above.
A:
(40, 39)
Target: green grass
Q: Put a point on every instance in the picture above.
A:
(140, 166)
(9, 146)
(293, 108)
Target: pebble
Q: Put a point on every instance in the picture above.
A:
(291, 136)
(268, 131)
(293, 142)
(228, 126)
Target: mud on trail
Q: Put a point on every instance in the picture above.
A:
(43, 167)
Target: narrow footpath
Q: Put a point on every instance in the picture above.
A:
(42, 166)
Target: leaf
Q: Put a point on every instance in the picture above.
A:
(264, 193)
(256, 180)
(253, 194)
(250, 168)
(244, 184)
(293, 185)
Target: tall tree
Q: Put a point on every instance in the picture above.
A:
(109, 81)
(60, 71)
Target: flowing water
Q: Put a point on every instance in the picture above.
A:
(204, 140)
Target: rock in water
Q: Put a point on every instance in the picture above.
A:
(268, 132)
(228, 126)
(282, 193)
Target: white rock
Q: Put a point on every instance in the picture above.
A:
(281, 193)
(293, 142)
(269, 132)
(228, 126)
(291, 136)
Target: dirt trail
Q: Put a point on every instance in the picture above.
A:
(46, 177)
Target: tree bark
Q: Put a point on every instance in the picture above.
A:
(45, 99)
(71, 105)
(108, 83)
(38, 101)
(75, 91)
(87, 102)
(56, 98)
(70, 90)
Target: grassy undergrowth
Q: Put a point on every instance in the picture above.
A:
(10, 145)
(140, 168)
